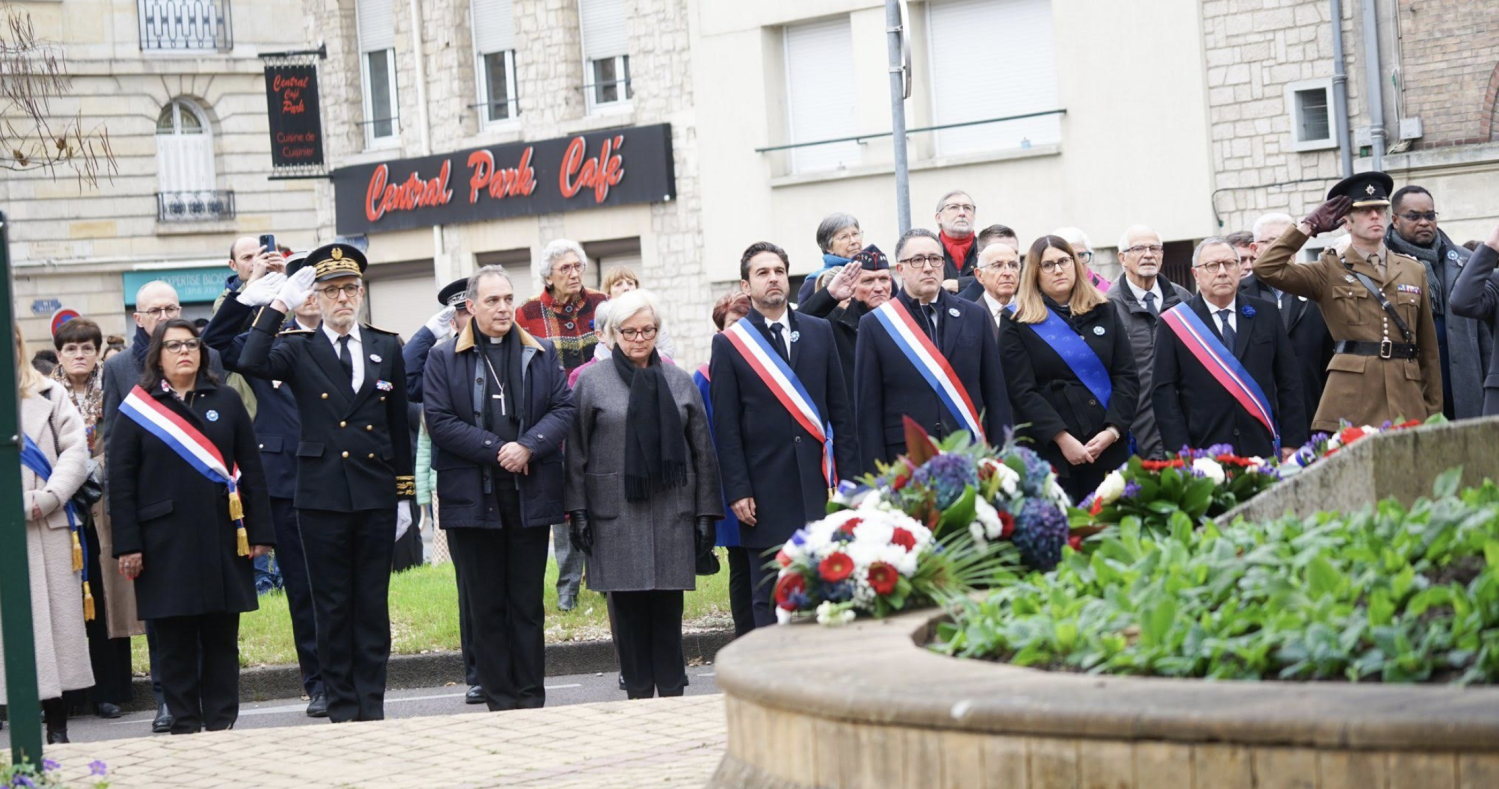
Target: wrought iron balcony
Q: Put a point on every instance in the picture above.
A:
(177, 25)
(194, 206)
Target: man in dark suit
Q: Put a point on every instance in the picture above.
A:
(974, 291)
(354, 466)
(1301, 318)
(774, 485)
(1192, 407)
(277, 427)
(862, 285)
(890, 386)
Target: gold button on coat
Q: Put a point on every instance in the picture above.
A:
(346, 453)
(343, 424)
(325, 395)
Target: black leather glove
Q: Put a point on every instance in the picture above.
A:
(1329, 215)
(580, 531)
(704, 535)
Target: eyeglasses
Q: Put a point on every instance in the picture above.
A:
(162, 312)
(1050, 266)
(1218, 266)
(847, 236)
(332, 292)
(1003, 266)
(638, 334)
(966, 208)
(1086, 257)
(924, 261)
(567, 268)
(1417, 216)
(1135, 250)
(76, 349)
(178, 346)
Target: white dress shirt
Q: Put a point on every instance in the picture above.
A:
(785, 331)
(995, 308)
(1233, 314)
(1155, 287)
(356, 351)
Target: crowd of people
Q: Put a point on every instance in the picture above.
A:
(287, 425)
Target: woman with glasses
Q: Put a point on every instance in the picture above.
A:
(642, 493)
(189, 512)
(1070, 367)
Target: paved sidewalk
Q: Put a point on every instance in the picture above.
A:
(660, 742)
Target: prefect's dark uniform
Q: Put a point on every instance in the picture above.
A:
(353, 463)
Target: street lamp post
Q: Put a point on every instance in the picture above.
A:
(900, 89)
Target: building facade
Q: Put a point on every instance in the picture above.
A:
(178, 86)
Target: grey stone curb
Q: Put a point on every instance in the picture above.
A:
(439, 668)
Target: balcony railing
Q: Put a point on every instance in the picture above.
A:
(194, 206)
(185, 25)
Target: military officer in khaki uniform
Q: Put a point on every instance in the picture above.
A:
(1386, 364)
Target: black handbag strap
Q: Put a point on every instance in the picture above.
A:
(1384, 303)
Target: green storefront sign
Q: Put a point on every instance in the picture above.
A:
(194, 285)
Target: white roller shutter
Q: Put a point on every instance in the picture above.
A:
(401, 304)
(604, 33)
(494, 26)
(377, 29)
(820, 91)
(992, 59)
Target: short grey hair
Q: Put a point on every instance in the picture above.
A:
(553, 252)
(625, 307)
(472, 291)
(1124, 237)
(1073, 236)
(941, 201)
(601, 313)
(832, 226)
(1272, 218)
(1213, 241)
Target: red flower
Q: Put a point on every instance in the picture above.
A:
(1096, 508)
(1351, 434)
(835, 568)
(1006, 525)
(900, 482)
(1410, 423)
(904, 539)
(882, 578)
(850, 525)
(782, 558)
(787, 586)
(1075, 542)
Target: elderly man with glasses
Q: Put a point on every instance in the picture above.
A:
(1141, 294)
(957, 220)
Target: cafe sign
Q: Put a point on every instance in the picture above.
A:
(296, 126)
(604, 168)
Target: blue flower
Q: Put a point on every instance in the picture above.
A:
(1131, 490)
(1248, 311)
(22, 782)
(98, 768)
(49, 765)
(948, 475)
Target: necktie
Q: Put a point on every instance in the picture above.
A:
(345, 358)
(779, 342)
(1150, 302)
(931, 323)
(1228, 329)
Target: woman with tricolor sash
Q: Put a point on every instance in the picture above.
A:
(1070, 368)
(54, 453)
(189, 512)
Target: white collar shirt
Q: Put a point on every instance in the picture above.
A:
(1216, 312)
(356, 351)
(1140, 292)
(995, 308)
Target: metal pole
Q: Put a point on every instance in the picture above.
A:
(1376, 89)
(895, 33)
(1340, 90)
(15, 578)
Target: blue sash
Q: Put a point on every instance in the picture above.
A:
(32, 458)
(1084, 363)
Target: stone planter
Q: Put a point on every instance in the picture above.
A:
(866, 706)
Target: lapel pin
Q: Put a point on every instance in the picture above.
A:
(796, 335)
(213, 416)
(953, 311)
(1098, 330)
(375, 357)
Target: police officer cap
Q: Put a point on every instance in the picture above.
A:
(331, 262)
(1365, 189)
(454, 293)
(870, 258)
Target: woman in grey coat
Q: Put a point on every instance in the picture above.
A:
(642, 493)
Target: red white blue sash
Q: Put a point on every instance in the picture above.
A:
(787, 388)
(1221, 364)
(933, 366)
(182, 437)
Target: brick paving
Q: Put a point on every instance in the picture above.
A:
(654, 743)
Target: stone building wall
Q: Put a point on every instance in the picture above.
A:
(1449, 59)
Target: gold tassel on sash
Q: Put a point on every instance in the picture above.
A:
(77, 553)
(242, 540)
(237, 513)
(88, 603)
(236, 507)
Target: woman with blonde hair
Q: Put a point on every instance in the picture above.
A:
(53, 465)
(1070, 368)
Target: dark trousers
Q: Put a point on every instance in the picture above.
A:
(762, 581)
(109, 657)
(741, 599)
(186, 645)
(348, 564)
(465, 627)
(650, 642)
(292, 562)
(153, 657)
(503, 581)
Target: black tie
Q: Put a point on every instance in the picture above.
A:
(345, 358)
(779, 342)
(1228, 330)
(931, 324)
(1150, 302)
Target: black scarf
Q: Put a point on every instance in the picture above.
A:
(1432, 257)
(140, 345)
(655, 450)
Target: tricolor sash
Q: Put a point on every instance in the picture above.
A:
(924, 356)
(182, 437)
(1080, 358)
(787, 388)
(1221, 364)
(33, 458)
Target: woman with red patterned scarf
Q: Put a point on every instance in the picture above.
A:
(563, 313)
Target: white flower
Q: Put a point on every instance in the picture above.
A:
(1209, 468)
(1110, 489)
(987, 517)
(830, 614)
(1009, 481)
(1054, 492)
(976, 530)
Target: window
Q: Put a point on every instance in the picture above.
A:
(1312, 124)
(606, 59)
(494, 44)
(377, 68)
(992, 59)
(820, 94)
(184, 167)
(185, 25)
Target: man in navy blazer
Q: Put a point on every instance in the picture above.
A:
(772, 467)
(1192, 408)
(890, 387)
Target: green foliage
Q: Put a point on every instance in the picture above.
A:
(1385, 594)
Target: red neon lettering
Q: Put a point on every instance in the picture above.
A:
(518, 181)
(413, 194)
(602, 172)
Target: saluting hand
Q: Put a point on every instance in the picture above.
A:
(1329, 215)
(841, 286)
(744, 510)
(1493, 239)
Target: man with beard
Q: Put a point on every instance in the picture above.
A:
(1301, 317)
(860, 286)
(956, 219)
(1141, 294)
(776, 374)
(1414, 232)
(929, 355)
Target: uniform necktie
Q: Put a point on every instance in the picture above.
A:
(345, 358)
(931, 323)
(1150, 302)
(779, 342)
(1228, 329)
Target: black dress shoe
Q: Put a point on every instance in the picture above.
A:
(107, 710)
(57, 737)
(475, 695)
(163, 722)
(318, 707)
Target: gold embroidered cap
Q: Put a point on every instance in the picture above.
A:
(332, 261)
(1365, 189)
